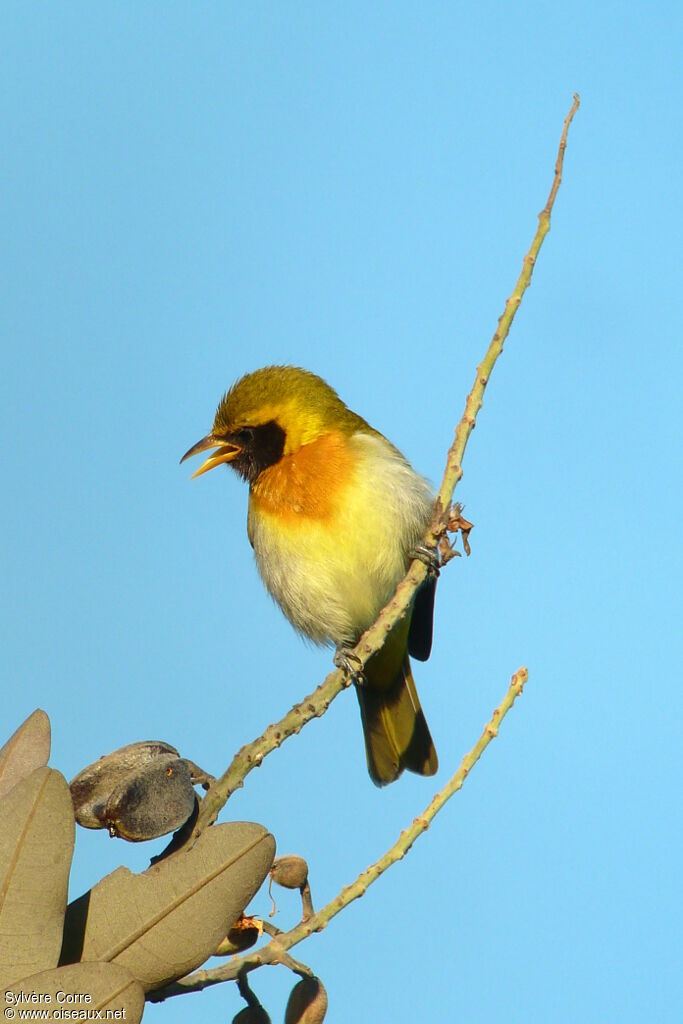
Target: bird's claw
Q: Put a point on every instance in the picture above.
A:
(428, 556)
(350, 664)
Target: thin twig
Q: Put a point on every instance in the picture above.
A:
(251, 755)
(275, 951)
(453, 471)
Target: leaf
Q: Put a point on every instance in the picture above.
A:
(27, 749)
(169, 919)
(78, 988)
(36, 845)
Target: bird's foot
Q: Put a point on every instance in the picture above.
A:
(428, 556)
(350, 664)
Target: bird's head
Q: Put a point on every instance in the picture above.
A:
(270, 413)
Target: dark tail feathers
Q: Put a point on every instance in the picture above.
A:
(396, 733)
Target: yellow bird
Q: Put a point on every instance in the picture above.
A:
(335, 513)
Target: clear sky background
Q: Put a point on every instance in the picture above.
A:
(190, 191)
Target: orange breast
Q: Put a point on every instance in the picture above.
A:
(307, 484)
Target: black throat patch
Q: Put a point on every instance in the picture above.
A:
(260, 446)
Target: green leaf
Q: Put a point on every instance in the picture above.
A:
(36, 845)
(168, 920)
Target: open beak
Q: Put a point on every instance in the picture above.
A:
(225, 452)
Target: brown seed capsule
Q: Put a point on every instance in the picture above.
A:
(307, 1003)
(290, 872)
(150, 801)
(93, 786)
(251, 1015)
(243, 934)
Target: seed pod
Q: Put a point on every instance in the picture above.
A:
(252, 1015)
(307, 1003)
(243, 934)
(93, 786)
(151, 801)
(290, 872)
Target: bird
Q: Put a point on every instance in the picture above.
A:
(335, 516)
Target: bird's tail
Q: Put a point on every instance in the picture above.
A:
(396, 733)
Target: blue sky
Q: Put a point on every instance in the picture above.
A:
(192, 191)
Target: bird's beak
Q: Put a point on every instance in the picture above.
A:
(226, 453)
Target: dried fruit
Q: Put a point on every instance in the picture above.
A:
(243, 934)
(290, 872)
(150, 801)
(93, 786)
(307, 1003)
(251, 1015)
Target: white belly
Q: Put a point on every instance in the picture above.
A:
(332, 577)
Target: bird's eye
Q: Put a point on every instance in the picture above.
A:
(244, 436)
